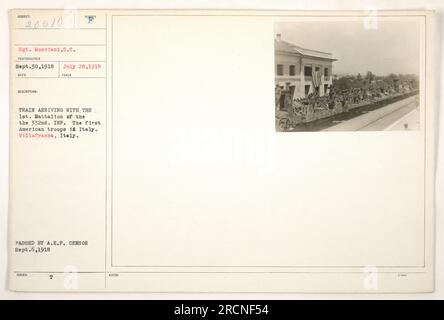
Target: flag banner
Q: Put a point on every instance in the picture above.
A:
(316, 78)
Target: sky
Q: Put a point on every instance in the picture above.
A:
(391, 48)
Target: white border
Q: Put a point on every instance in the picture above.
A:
(437, 5)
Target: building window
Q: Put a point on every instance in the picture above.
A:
(307, 71)
(307, 89)
(280, 69)
(317, 69)
(325, 88)
(292, 70)
(326, 72)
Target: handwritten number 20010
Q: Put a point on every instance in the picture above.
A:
(56, 22)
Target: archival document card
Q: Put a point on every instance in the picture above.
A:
(222, 151)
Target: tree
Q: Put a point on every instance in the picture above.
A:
(370, 76)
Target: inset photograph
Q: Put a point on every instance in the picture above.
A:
(347, 75)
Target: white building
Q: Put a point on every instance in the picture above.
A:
(302, 71)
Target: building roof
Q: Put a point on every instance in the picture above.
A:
(287, 47)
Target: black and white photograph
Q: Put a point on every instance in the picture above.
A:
(358, 75)
(141, 157)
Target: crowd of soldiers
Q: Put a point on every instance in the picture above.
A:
(342, 100)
